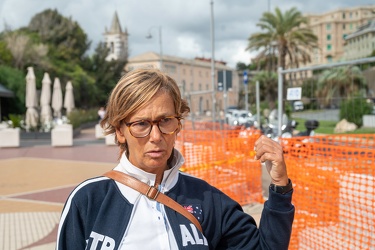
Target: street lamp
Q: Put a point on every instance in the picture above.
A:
(213, 63)
(149, 36)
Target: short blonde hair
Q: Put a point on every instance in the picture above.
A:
(133, 91)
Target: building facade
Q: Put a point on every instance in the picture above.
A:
(333, 27)
(195, 80)
(116, 40)
(361, 43)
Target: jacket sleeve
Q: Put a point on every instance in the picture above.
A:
(239, 230)
(276, 222)
(71, 228)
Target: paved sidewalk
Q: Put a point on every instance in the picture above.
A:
(36, 179)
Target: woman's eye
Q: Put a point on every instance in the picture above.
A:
(140, 124)
(166, 120)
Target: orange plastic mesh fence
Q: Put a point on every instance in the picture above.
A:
(334, 191)
(333, 179)
(225, 159)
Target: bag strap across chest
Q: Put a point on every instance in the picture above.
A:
(152, 193)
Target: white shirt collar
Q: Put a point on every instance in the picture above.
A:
(170, 176)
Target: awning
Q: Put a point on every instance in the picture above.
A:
(4, 92)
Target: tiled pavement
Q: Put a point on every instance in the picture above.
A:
(35, 180)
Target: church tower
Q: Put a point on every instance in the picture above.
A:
(116, 40)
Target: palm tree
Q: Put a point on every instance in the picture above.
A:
(267, 87)
(340, 82)
(285, 35)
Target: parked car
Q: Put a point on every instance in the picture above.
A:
(298, 106)
(238, 117)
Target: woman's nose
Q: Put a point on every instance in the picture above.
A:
(155, 133)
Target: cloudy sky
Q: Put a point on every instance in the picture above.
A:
(185, 25)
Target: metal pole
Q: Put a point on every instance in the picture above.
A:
(280, 100)
(213, 63)
(269, 6)
(225, 91)
(161, 49)
(247, 97)
(258, 102)
(149, 36)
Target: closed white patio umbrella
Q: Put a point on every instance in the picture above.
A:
(69, 97)
(45, 100)
(57, 100)
(31, 100)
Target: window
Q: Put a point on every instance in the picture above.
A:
(343, 26)
(344, 36)
(170, 68)
(112, 47)
(329, 58)
(329, 46)
(328, 37)
(343, 15)
(328, 26)
(183, 85)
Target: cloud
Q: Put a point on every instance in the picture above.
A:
(186, 25)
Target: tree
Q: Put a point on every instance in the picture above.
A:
(57, 45)
(285, 35)
(106, 73)
(14, 79)
(240, 66)
(70, 41)
(340, 82)
(5, 55)
(23, 50)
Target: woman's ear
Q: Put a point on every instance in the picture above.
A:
(120, 136)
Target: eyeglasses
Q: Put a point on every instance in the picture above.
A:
(167, 125)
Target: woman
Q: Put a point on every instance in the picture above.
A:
(145, 111)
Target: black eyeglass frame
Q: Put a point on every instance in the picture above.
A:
(157, 122)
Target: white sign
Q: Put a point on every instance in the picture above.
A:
(294, 94)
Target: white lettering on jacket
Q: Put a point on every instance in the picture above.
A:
(194, 239)
(108, 242)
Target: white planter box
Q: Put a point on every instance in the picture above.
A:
(62, 135)
(110, 139)
(99, 132)
(369, 121)
(10, 137)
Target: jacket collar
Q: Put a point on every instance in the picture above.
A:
(170, 176)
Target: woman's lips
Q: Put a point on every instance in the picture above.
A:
(155, 153)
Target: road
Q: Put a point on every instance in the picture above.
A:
(320, 115)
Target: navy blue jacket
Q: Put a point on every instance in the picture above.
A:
(97, 215)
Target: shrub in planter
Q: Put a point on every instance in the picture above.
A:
(353, 109)
(80, 116)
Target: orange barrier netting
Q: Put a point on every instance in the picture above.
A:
(223, 159)
(334, 192)
(333, 179)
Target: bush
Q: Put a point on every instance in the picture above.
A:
(353, 109)
(16, 120)
(81, 116)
